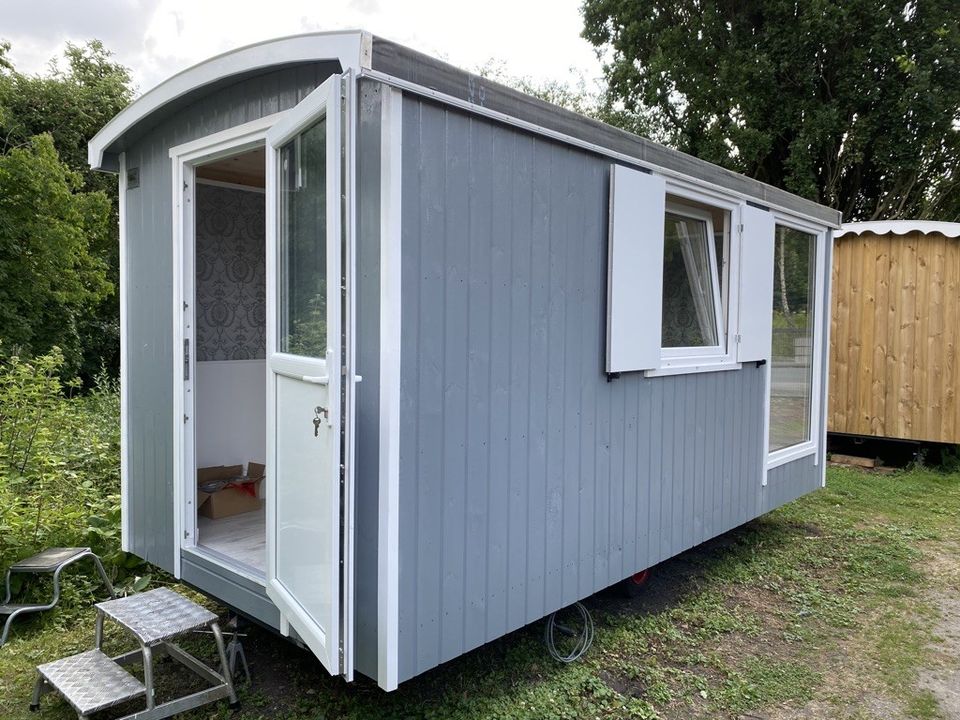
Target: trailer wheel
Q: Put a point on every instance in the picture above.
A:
(633, 586)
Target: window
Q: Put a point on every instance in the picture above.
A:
(698, 281)
(792, 353)
(302, 239)
(691, 286)
(695, 285)
(672, 276)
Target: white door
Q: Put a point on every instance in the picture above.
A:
(304, 270)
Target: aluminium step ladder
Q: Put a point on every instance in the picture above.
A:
(91, 681)
(52, 560)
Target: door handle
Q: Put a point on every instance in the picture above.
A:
(315, 379)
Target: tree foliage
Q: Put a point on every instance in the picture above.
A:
(50, 279)
(852, 103)
(576, 95)
(68, 106)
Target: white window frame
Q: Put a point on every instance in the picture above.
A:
(811, 446)
(677, 361)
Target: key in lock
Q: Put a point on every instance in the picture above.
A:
(319, 415)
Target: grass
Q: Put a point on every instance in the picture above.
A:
(825, 603)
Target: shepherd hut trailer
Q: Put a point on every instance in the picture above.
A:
(893, 350)
(495, 356)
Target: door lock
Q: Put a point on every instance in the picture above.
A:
(319, 415)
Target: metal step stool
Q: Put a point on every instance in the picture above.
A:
(53, 560)
(91, 681)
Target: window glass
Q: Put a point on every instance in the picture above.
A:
(791, 367)
(303, 244)
(690, 284)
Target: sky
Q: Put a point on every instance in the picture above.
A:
(157, 38)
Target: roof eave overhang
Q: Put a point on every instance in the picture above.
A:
(351, 48)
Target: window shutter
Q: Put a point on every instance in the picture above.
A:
(634, 270)
(756, 285)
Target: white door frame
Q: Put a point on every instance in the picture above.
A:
(184, 159)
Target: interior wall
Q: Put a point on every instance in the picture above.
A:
(230, 412)
(230, 273)
(230, 326)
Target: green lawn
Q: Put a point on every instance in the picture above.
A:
(828, 607)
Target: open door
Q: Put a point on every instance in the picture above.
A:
(305, 517)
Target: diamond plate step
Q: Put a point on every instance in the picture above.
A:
(91, 681)
(48, 560)
(11, 608)
(157, 615)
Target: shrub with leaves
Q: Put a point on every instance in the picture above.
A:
(59, 464)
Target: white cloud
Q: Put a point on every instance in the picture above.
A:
(157, 38)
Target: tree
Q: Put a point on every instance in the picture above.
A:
(71, 104)
(852, 103)
(49, 278)
(575, 95)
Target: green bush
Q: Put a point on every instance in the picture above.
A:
(59, 464)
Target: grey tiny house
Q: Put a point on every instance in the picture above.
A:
(493, 355)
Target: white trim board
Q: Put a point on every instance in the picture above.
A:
(124, 369)
(388, 557)
(180, 407)
(350, 123)
(825, 359)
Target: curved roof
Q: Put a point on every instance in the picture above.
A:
(351, 48)
(900, 227)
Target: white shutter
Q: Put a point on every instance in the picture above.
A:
(634, 270)
(756, 285)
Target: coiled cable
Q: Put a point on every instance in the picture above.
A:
(584, 638)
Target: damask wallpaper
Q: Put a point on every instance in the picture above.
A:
(231, 273)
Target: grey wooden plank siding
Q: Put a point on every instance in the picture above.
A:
(790, 481)
(527, 481)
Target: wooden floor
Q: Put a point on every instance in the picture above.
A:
(240, 537)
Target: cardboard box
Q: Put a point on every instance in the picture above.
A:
(235, 498)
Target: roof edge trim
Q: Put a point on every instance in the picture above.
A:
(900, 227)
(352, 48)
